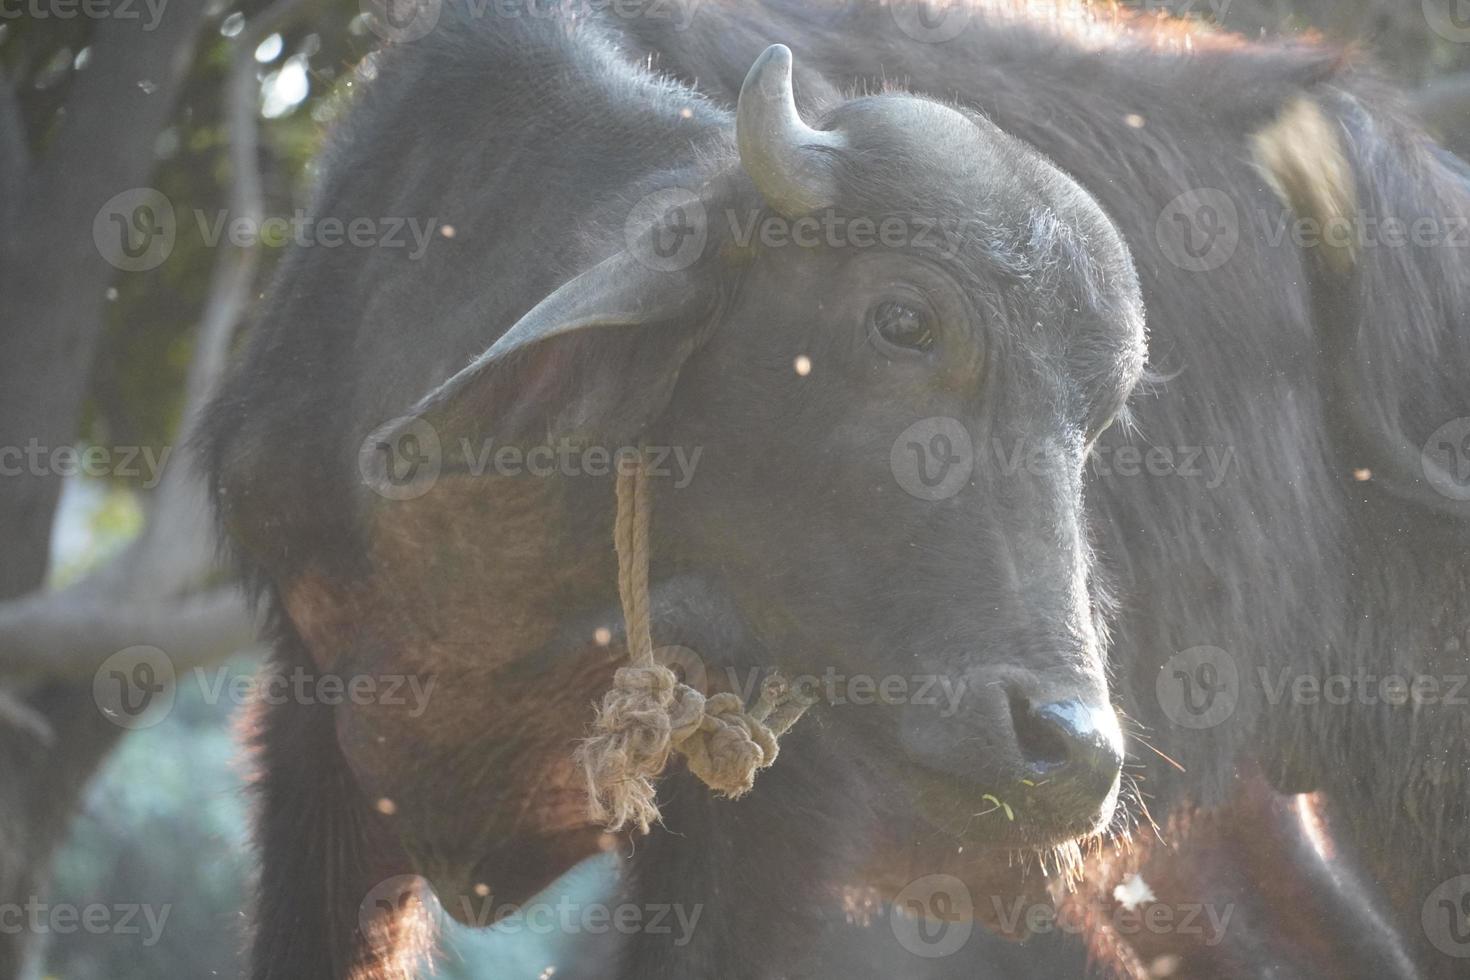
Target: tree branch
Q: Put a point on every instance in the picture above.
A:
(16, 714)
(148, 594)
(103, 145)
(65, 634)
(117, 106)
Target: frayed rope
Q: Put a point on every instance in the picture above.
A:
(649, 713)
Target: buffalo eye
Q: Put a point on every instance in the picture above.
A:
(904, 326)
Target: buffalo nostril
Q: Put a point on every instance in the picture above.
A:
(1043, 746)
(1069, 739)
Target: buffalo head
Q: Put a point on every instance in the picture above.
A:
(883, 345)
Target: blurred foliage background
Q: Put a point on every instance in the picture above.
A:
(165, 822)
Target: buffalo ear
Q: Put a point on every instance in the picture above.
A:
(596, 360)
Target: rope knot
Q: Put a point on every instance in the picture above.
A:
(655, 681)
(649, 713)
(728, 747)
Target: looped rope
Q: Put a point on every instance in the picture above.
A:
(649, 713)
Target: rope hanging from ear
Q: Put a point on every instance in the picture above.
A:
(650, 713)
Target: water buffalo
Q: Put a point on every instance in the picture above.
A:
(1288, 592)
(1026, 326)
(644, 239)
